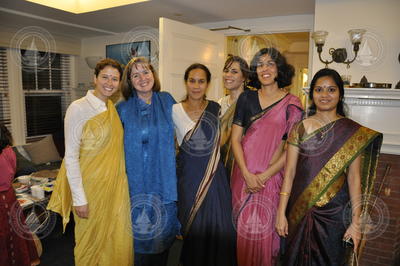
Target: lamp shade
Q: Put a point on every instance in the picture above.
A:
(356, 35)
(319, 36)
(92, 61)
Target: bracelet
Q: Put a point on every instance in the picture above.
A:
(284, 193)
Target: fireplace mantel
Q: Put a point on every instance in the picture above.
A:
(378, 109)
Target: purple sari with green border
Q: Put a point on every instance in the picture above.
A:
(319, 203)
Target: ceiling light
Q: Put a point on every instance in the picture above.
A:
(83, 6)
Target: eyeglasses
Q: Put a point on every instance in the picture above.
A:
(268, 64)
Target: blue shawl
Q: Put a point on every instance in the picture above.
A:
(149, 146)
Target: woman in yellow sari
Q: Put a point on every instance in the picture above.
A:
(331, 162)
(92, 181)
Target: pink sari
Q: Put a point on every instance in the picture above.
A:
(254, 214)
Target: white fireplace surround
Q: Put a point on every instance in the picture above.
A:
(378, 109)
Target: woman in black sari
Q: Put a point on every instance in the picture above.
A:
(204, 197)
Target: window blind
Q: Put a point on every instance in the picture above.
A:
(5, 111)
(46, 84)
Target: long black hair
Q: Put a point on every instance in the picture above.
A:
(5, 137)
(327, 72)
(285, 70)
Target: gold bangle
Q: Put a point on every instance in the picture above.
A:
(284, 193)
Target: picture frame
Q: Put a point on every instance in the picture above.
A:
(124, 52)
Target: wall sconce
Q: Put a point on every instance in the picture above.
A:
(338, 55)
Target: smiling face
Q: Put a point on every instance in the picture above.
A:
(326, 94)
(142, 78)
(106, 83)
(196, 84)
(267, 70)
(233, 76)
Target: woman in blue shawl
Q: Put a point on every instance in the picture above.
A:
(146, 115)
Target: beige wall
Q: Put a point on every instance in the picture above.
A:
(381, 18)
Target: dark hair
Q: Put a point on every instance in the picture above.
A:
(285, 70)
(127, 88)
(108, 62)
(244, 67)
(327, 72)
(5, 137)
(197, 66)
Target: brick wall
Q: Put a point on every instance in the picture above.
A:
(384, 250)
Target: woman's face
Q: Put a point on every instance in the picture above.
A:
(196, 84)
(326, 94)
(233, 76)
(106, 83)
(267, 70)
(142, 78)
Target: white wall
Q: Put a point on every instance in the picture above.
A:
(381, 18)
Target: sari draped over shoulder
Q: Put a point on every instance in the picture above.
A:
(204, 205)
(226, 130)
(318, 210)
(254, 214)
(104, 238)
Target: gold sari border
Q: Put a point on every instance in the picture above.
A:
(330, 179)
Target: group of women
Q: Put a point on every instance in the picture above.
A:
(233, 188)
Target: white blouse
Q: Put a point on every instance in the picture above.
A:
(78, 113)
(183, 123)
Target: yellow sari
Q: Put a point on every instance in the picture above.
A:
(105, 238)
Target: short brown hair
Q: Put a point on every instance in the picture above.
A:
(108, 62)
(126, 83)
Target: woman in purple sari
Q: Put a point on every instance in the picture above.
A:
(262, 120)
(331, 161)
(204, 197)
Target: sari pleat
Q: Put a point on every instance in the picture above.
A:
(104, 238)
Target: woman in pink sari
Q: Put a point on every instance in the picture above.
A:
(261, 123)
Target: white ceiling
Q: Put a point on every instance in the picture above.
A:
(19, 13)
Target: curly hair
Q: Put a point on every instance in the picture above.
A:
(327, 72)
(127, 88)
(5, 137)
(285, 70)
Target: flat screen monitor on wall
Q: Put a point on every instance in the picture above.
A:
(125, 51)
